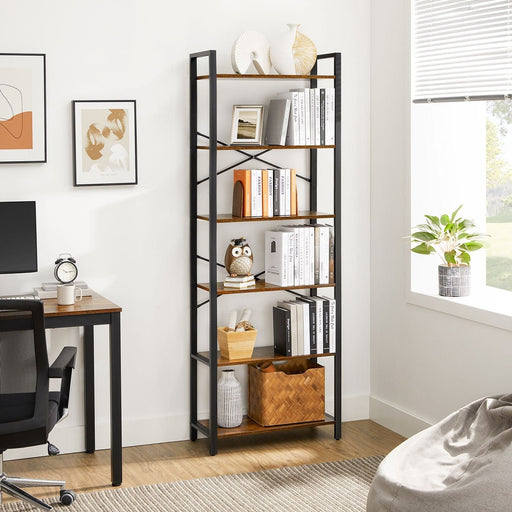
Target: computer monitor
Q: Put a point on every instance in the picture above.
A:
(18, 237)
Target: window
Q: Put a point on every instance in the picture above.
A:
(461, 124)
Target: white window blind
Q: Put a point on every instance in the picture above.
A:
(462, 49)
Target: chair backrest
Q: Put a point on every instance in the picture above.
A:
(24, 381)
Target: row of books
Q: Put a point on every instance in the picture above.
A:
(305, 326)
(299, 255)
(266, 192)
(301, 117)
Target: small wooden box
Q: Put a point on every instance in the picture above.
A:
(279, 398)
(236, 344)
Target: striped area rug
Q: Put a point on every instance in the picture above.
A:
(330, 486)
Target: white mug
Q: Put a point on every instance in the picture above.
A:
(67, 294)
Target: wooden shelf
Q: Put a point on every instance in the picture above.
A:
(249, 427)
(259, 354)
(261, 286)
(257, 147)
(236, 76)
(227, 217)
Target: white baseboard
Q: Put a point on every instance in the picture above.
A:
(396, 419)
(162, 429)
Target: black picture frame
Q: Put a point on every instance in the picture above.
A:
(23, 108)
(104, 142)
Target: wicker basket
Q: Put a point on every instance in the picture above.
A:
(280, 398)
(236, 344)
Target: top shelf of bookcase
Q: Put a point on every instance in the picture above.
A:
(233, 76)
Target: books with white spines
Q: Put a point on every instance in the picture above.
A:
(329, 115)
(309, 253)
(319, 324)
(282, 191)
(297, 253)
(293, 308)
(270, 184)
(322, 116)
(304, 115)
(52, 294)
(256, 193)
(277, 257)
(277, 122)
(322, 235)
(292, 133)
(312, 117)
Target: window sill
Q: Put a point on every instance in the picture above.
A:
(486, 305)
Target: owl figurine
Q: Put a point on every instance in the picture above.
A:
(238, 258)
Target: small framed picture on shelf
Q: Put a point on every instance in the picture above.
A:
(105, 142)
(247, 126)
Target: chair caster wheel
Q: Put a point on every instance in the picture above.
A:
(67, 497)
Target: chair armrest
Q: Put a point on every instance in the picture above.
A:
(66, 359)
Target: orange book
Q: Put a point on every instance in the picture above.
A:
(244, 177)
(264, 192)
(293, 192)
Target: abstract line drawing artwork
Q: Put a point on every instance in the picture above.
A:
(105, 142)
(22, 108)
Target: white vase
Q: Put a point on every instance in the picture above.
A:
(293, 53)
(229, 400)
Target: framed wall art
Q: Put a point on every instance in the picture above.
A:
(105, 142)
(22, 107)
(247, 125)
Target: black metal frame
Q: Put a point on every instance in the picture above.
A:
(211, 362)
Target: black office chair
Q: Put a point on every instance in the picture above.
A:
(28, 409)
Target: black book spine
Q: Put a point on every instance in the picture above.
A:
(327, 314)
(312, 329)
(322, 116)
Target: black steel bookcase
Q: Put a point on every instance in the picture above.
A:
(212, 291)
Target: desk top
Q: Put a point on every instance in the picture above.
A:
(89, 305)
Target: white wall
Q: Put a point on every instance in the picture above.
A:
(131, 242)
(424, 364)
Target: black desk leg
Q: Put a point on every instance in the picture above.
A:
(90, 435)
(116, 446)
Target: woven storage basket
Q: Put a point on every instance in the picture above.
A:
(279, 398)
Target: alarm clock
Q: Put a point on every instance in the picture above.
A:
(65, 270)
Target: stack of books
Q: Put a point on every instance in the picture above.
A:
(239, 282)
(49, 290)
(300, 255)
(309, 114)
(266, 192)
(305, 326)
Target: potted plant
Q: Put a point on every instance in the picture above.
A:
(453, 239)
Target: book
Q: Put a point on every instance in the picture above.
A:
(277, 264)
(319, 324)
(244, 177)
(291, 306)
(304, 338)
(322, 116)
(332, 323)
(287, 197)
(52, 294)
(312, 323)
(256, 193)
(317, 115)
(270, 192)
(277, 191)
(304, 115)
(312, 115)
(331, 255)
(277, 122)
(326, 319)
(292, 133)
(264, 193)
(239, 279)
(282, 331)
(296, 253)
(322, 235)
(329, 115)
(293, 192)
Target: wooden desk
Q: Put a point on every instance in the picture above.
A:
(87, 313)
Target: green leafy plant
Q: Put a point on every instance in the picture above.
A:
(451, 237)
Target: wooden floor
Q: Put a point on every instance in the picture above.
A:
(186, 460)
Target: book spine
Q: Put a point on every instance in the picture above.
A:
(286, 123)
(302, 118)
(291, 259)
(293, 192)
(322, 117)
(312, 328)
(244, 176)
(264, 193)
(324, 255)
(270, 192)
(307, 116)
(292, 135)
(331, 255)
(256, 193)
(332, 326)
(277, 192)
(329, 115)
(282, 192)
(327, 323)
(312, 115)
(317, 116)
(275, 255)
(319, 327)
(287, 197)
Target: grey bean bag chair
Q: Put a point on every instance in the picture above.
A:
(461, 464)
